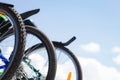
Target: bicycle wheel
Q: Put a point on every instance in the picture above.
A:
(68, 65)
(33, 37)
(11, 48)
(66, 57)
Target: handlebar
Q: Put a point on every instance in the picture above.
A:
(69, 41)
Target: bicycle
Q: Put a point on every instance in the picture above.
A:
(59, 46)
(65, 54)
(10, 20)
(49, 48)
(35, 35)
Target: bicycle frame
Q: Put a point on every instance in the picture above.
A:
(5, 60)
(27, 61)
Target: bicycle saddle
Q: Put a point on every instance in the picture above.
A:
(10, 5)
(29, 13)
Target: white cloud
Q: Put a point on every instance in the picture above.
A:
(94, 70)
(116, 49)
(117, 59)
(91, 47)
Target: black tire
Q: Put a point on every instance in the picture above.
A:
(49, 47)
(73, 58)
(69, 53)
(19, 46)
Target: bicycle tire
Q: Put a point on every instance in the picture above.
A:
(74, 59)
(19, 46)
(50, 50)
(69, 53)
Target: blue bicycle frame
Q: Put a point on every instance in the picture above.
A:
(5, 60)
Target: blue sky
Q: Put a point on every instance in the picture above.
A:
(95, 23)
